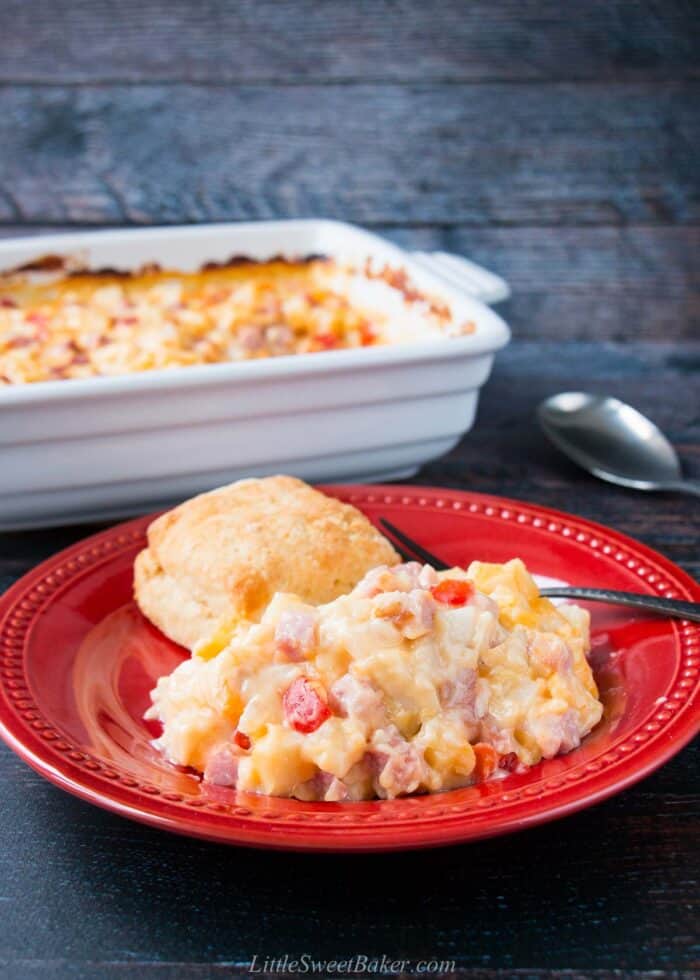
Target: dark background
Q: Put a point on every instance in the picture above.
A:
(556, 143)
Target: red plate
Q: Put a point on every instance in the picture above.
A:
(78, 660)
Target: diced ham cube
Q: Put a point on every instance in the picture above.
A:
(328, 787)
(406, 577)
(337, 791)
(295, 633)
(251, 338)
(222, 767)
(215, 296)
(464, 694)
(323, 786)
(500, 738)
(412, 612)
(377, 580)
(279, 339)
(38, 319)
(304, 708)
(411, 575)
(353, 698)
(315, 788)
(269, 306)
(549, 652)
(15, 342)
(421, 613)
(398, 765)
(427, 577)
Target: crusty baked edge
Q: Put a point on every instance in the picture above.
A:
(167, 605)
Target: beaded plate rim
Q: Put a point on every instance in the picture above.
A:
(368, 826)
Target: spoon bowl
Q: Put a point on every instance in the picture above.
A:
(613, 441)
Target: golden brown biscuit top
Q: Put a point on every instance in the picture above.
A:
(233, 548)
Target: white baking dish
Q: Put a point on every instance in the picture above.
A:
(104, 447)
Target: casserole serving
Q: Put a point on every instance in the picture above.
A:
(416, 681)
(81, 446)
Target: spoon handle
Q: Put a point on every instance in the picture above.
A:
(683, 486)
(677, 608)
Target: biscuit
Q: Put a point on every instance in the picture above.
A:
(217, 559)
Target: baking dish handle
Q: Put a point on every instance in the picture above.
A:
(464, 274)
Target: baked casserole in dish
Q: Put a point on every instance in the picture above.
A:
(60, 324)
(139, 367)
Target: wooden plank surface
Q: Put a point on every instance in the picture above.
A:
(502, 155)
(367, 40)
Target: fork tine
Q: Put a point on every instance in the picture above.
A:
(417, 550)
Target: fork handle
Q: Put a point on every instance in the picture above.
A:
(678, 608)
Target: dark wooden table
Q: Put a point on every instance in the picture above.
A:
(555, 143)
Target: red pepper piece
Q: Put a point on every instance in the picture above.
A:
(486, 761)
(367, 335)
(509, 762)
(327, 341)
(241, 740)
(453, 592)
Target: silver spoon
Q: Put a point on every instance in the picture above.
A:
(410, 550)
(613, 441)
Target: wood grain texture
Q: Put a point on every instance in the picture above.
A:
(370, 40)
(500, 155)
(608, 284)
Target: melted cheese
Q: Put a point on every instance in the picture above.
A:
(413, 686)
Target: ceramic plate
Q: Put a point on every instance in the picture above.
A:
(77, 661)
